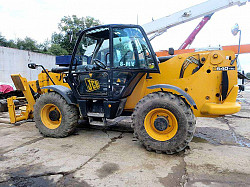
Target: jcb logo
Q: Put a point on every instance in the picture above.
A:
(92, 84)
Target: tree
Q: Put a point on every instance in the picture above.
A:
(43, 47)
(27, 44)
(11, 44)
(3, 41)
(57, 50)
(60, 42)
(72, 24)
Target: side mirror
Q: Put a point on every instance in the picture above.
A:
(32, 66)
(235, 29)
(171, 51)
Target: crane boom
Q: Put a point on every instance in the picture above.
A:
(159, 26)
(197, 29)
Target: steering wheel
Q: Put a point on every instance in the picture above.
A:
(100, 64)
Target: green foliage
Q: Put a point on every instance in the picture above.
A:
(11, 44)
(27, 44)
(3, 41)
(44, 46)
(60, 42)
(71, 24)
(57, 50)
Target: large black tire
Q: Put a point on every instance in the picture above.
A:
(176, 106)
(69, 115)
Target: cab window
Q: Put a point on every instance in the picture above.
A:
(93, 45)
(130, 49)
(103, 52)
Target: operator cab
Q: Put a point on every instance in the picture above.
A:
(119, 56)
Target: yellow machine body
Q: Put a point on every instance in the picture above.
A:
(204, 86)
(44, 80)
(27, 87)
(21, 84)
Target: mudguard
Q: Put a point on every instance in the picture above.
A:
(65, 92)
(177, 89)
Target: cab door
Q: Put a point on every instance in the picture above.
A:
(93, 80)
(133, 57)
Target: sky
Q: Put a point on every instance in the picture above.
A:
(38, 19)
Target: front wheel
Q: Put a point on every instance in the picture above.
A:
(54, 117)
(163, 122)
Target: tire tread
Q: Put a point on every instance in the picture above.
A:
(175, 100)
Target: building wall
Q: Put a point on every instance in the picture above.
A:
(15, 61)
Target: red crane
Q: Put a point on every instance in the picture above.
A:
(197, 29)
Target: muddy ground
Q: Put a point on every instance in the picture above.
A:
(219, 155)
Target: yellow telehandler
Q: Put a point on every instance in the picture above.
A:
(125, 77)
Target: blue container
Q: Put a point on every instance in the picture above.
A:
(65, 60)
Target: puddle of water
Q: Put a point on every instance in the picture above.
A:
(240, 141)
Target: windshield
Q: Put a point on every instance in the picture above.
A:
(130, 49)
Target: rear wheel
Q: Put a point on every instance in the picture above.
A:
(163, 122)
(54, 117)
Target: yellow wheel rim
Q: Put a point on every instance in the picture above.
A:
(47, 119)
(161, 124)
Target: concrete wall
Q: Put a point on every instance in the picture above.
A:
(15, 61)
